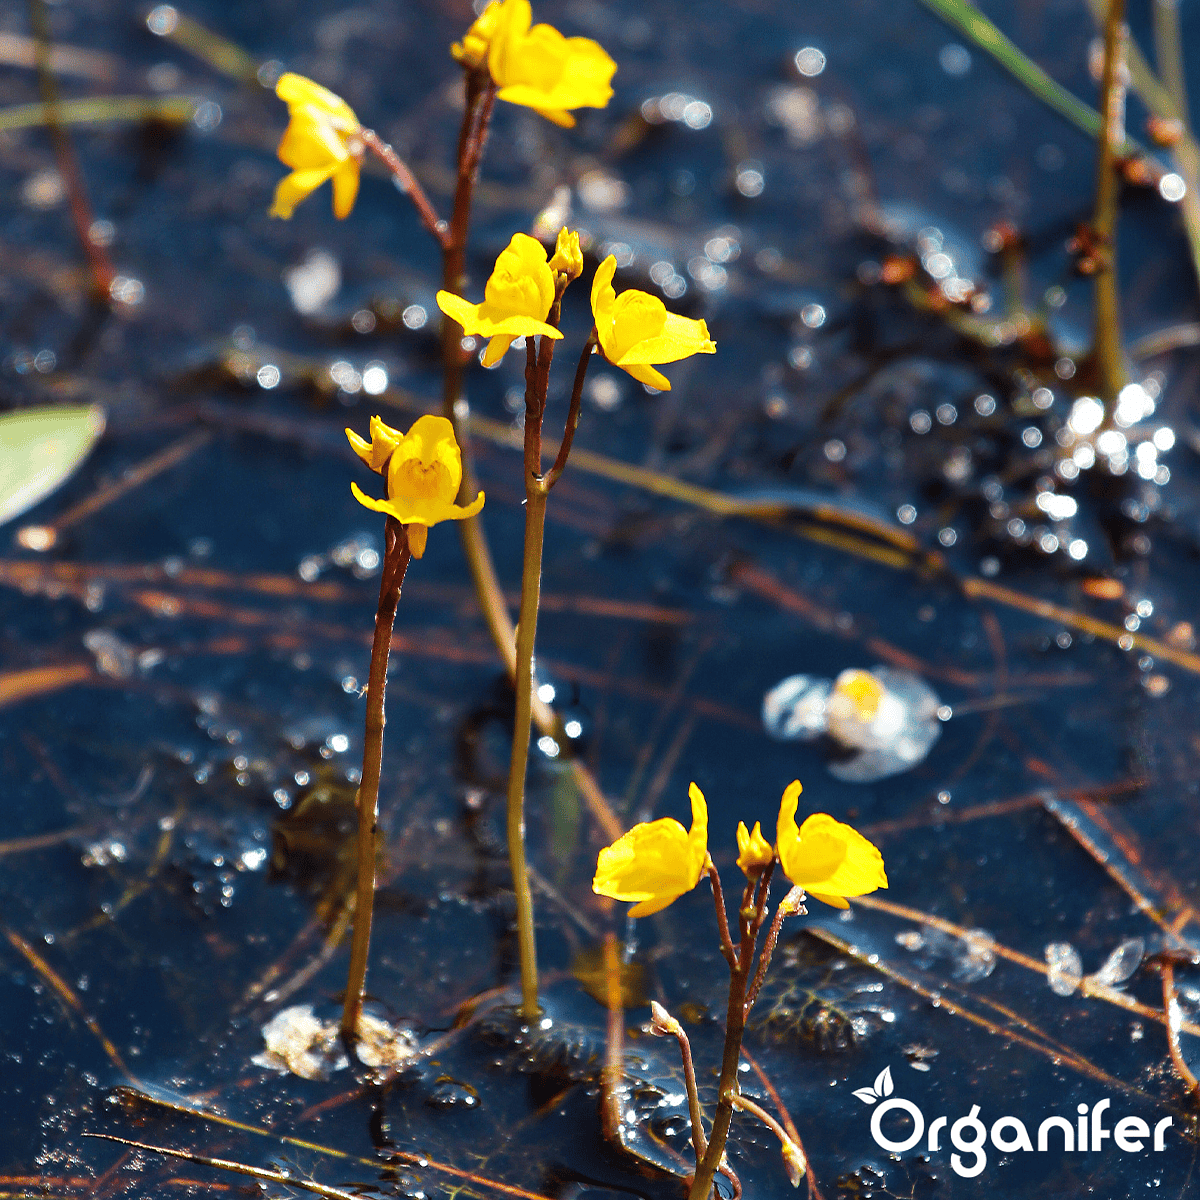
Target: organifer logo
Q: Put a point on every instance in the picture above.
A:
(969, 1135)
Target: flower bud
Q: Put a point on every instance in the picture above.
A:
(662, 1024)
(793, 1159)
(567, 258)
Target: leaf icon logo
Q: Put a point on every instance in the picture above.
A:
(883, 1087)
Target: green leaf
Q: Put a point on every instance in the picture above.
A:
(40, 448)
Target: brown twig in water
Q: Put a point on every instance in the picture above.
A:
(1173, 1021)
(44, 537)
(62, 989)
(1106, 337)
(68, 165)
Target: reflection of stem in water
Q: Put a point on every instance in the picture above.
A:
(1106, 342)
(395, 564)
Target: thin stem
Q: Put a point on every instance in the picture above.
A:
(406, 181)
(699, 1141)
(395, 563)
(789, 906)
(480, 99)
(727, 948)
(68, 165)
(537, 375)
(1106, 342)
(756, 1110)
(568, 437)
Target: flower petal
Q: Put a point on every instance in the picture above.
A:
(293, 188)
(604, 297)
(295, 89)
(417, 536)
(681, 337)
(345, 188)
(649, 907)
(649, 376)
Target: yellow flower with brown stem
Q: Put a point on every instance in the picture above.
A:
(423, 469)
(536, 67)
(321, 142)
(516, 299)
(825, 857)
(656, 861)
(635, 330)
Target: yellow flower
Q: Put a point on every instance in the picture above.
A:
(472, 51)
(636, 330)
(567, 258)
(538, 67)
(321, 142)
(754, 851)
(655, 863)
(827, 859)
(424, 469)
(516, 299)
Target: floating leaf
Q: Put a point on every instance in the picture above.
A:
(40, 448)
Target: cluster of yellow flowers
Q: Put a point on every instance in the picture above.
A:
(536, 67)
(657, 862)
(633, 329)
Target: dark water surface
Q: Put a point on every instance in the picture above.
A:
(197, 756)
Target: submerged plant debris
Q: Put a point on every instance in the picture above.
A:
(896, 458)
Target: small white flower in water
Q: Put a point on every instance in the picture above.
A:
(887, 718)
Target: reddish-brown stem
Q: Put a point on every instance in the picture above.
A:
(699, 1141)
(102, 270)
(727, 947)
(406, 181)
(480, 98)
(764, 959)
(568, 437)
(395, 563)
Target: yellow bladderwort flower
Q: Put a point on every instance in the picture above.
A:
(516, 299)
(472, 51)
(635, 330)
(424, 470)
(567, 258)
(656, 862)
(538, 67)
(754, 851)
(321, 142)
(828, 859)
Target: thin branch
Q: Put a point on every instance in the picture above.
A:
(406, 181)
(564, 448)
(788, 906)
(722, 917)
